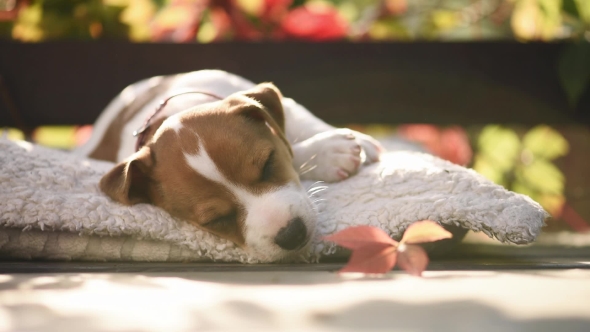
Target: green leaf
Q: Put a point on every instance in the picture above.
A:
(12, 134)
(444, 19)
(55, 136)
(545, 142)
(500, 145)
(583, 7)
(574, 71)
(570, 7)
(523, 188)
(551, 12)
(542, 176)
(389, 28)
(486, 168)
(552, 203)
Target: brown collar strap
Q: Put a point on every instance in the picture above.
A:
(140, 133)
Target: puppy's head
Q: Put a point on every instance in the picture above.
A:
(226, 167)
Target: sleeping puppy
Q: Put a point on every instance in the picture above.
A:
(225, 154)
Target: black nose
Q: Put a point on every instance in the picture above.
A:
(291, 236)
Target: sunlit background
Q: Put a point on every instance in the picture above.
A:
(319, 20)
(548, 163)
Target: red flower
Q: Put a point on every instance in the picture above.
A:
(451, 143)
(315, 22)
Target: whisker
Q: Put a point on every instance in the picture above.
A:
(317, 191)
(308, 170)
(313, 185)
(314, 189)
(308, 161)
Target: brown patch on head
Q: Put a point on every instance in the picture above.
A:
(188, 195)
(246, 151)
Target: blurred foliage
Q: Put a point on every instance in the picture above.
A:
(206, 21)
(223, 20)
(524, 164)
(12, 133)
(574, 70)
(451, 143)
(62, 137)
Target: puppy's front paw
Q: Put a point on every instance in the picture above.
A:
(329, 156)
(371, 147)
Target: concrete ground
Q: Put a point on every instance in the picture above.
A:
(476, 287)
(510, 300)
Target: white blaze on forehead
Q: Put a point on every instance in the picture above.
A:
(173, 122)
(204, 165)
(267, 213)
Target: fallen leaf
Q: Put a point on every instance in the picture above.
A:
(373, 258)
(360, 236)
(425, 231)
(412, 258)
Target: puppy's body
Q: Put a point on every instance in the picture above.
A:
(230, 166)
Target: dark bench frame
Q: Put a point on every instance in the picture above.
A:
(465, 83)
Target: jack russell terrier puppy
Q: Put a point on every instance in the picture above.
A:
(227, 155)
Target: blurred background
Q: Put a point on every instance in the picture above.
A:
(547, 161)
(206, 21)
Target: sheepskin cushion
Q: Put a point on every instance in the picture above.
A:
(51, 208)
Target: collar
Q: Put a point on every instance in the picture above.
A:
(140, 133)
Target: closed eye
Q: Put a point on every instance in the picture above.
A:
(268, 168)
(222, 221)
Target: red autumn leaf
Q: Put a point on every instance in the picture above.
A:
(317, 22)
(361, 236)
(372, 258)
(412, 258)
(425, 231)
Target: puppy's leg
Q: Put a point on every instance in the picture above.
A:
(301, 125)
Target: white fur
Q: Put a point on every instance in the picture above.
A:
(173, 122)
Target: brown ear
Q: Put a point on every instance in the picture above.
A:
(129, 182)
(267, 95)
(270, 97)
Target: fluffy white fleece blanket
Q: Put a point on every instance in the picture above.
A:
(51, 208)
